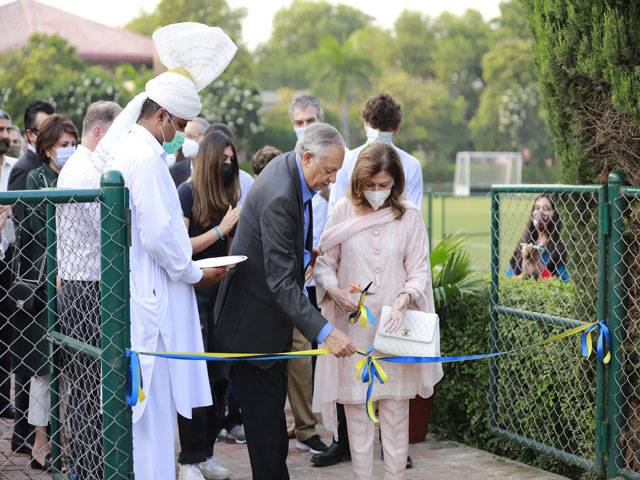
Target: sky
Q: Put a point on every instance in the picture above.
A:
(257, 24)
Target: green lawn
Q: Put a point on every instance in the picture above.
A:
(469, 216)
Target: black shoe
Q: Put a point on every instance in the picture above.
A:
(409, 462)
(35, 465)
(21, 448)
(312, 444)
(336, 453)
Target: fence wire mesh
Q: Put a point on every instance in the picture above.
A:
(54, 361)
(545, 276)
(625, 300)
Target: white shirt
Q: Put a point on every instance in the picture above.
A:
(162, 274)
(412, 174)
(8, 233)
(246, 181)
(78, 226)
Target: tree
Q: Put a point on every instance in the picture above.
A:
(284, 61)
(345, 71)
(588, 55)
(210, 12)
(235, 102)
(414, 43)
(510, 114)
(512, 22)
(460, 44)
(47, 68)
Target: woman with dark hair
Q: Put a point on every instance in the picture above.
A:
(374, 235)
(209, 206)
(540, 253)
(56, 142)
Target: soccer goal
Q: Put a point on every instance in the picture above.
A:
(477, 171)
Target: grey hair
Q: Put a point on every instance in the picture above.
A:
(317, 139)
(304, 101)
(201, 122)
(103, 112)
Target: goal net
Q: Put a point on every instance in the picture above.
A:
(477, 171)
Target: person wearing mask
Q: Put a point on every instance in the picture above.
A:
(78, 251)
(7, 237)
(374, 236)
(382, 116)
(35, 113)
(304, 110)
(193, 133)
(209, 206)
(246, 180)
(261, 302)
(56, 142)
(164, 312)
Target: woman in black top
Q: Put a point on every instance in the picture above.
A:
(210, 213)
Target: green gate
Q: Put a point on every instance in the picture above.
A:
(548, 399)
(104, 354)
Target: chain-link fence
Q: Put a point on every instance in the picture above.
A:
(547, 259)
(64, 325)
(624, 373)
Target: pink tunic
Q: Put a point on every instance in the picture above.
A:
(394, 255)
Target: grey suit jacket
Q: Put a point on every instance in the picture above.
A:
(262, 299)
(180, 171)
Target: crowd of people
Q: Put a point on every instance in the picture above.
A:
(316, 223)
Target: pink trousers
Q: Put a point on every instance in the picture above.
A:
(394, 426)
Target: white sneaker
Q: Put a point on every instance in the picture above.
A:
(212, 470)
(189, 472)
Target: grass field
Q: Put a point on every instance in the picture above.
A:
(469, 216)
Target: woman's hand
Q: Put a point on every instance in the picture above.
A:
(230, 220)
(345, 300)
(397, 313)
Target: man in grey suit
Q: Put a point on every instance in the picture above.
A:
(264, 298)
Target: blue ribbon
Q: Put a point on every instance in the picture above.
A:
(134, 380)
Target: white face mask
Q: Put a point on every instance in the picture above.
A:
(374, 135)
(376, 198)
(190, 148)
(299, 132)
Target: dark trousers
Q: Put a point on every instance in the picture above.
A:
(6, 337)
(198, 434)
(79, 314)
(262, 397)
(232, 402)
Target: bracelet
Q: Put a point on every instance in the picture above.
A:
(219, 232)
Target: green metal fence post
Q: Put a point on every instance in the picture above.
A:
(430, 214)
(52, 326)
(114, 292)
(617, 272)
(494, 301)
(601, 420)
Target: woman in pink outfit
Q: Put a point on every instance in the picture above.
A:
(373, 235)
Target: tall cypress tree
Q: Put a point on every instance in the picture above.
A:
(588, 53)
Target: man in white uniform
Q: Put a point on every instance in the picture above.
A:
(382, 117)
(164, 314)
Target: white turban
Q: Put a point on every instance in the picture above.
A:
(195, 55)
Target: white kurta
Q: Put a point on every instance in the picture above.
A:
(413, 186)
(163, 302)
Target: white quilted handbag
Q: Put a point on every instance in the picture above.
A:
(414, 338)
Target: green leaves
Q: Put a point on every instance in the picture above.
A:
(452, 272)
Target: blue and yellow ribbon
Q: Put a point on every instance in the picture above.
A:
(368, 368)
(363, 313)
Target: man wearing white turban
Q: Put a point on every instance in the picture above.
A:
(164, 314)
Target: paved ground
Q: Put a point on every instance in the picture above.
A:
(433, 460)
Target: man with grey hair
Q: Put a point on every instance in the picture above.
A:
(303, 111)
(78, 237)
(262, 299)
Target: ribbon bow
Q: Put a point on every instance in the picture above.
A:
(604, 342)
(363, 313)
(135, 393)
(367, 370)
